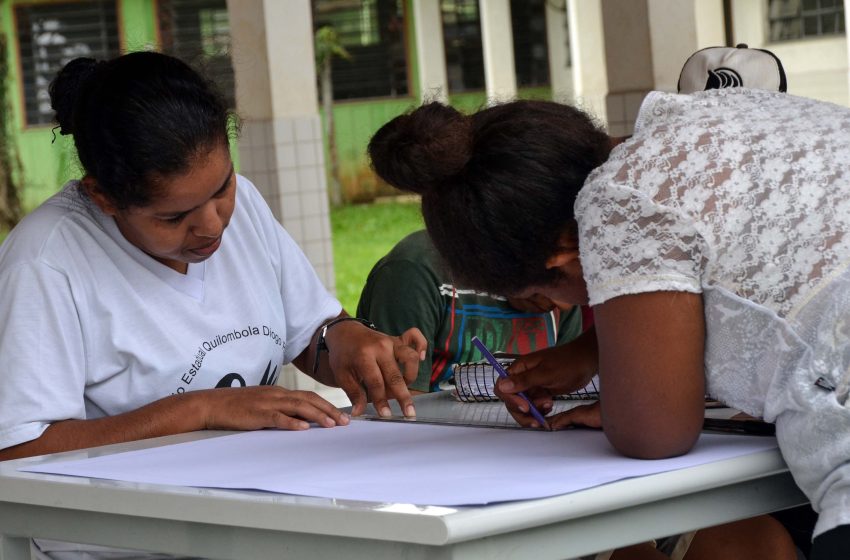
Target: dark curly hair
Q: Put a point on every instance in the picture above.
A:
(136, 119)
(497, 186)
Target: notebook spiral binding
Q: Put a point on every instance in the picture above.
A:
(475, 382)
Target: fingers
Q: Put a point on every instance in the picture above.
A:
(396, 385)
(518, 408)
(354, 390)
(414, 338)
(408, 357)
(411, 349)
(587, 416)
(252, 408)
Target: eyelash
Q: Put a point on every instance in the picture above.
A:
(175, 219)
(179, 218)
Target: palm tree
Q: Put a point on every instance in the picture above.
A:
(10, 165)
(327, 47)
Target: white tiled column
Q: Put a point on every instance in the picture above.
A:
(280, 149)
(498, 44)
(557, 39)
(587, 48)
(628, 61)
(430, 51)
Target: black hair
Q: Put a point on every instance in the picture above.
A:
(497, 186)
(137, 119)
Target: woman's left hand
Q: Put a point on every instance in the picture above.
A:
(585, 415)
(372, 366)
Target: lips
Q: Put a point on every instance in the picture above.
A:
(207, 250)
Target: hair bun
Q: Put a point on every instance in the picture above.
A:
(65, 88)
(423, 149)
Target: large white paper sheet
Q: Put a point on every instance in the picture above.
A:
(399, 463)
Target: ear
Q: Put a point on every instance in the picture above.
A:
(566, 251)
(92, 189)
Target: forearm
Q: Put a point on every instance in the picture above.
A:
(584, 354)
(171, 415)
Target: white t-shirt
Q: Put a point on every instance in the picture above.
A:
(91, 326)
(743, 196)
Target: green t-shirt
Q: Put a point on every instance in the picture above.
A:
(409, 288)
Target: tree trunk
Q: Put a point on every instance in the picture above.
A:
(10, 165)
(327, 107)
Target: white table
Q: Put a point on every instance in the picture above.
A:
(245, 524)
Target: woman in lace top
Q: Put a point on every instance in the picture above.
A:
(713, 245)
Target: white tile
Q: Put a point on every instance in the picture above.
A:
(320, 153)
(270, 156)
(290, 206)
(288, 181)
(315, 251)
(633, 101)
(305, 153)
(246, 160)
(285, 155)
(268, 133)
(311, 204)
(304, 129)
(246, 138)
(313, 229)
(295, 229)
(307, 179)
(321, 180)
(615, 106)
(284, 131)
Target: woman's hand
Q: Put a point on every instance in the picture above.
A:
(546, 373)
(585, 415)
(266, 406)
(370, 364)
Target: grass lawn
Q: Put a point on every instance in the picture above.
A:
(362, 234)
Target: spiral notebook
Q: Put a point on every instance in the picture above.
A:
(475, 382)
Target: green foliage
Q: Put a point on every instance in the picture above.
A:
(328, 46)
(362, 234)
(10, 163)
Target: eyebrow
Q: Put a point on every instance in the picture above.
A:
(220, 189)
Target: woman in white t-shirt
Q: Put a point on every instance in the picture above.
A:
(158, 294)
(713, 245)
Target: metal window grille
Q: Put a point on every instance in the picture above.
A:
(198, 32)
(52, 34)
(464, 52)
(373, 33)
(800, 19)
(531, 53)
(462, 43)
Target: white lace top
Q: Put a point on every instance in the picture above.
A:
(743, 196)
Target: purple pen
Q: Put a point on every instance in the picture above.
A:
(504, 375)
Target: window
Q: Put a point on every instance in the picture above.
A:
(198, 32)
(531, 54)
(464, 52)
(462, 43)
(52, 34)
(799, 19)
(372, 31)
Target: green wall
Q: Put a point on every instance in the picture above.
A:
(47, 163)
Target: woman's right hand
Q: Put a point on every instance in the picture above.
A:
(266, 406)
(546, 373)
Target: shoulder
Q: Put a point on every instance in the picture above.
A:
(55, 231)
(414, 252)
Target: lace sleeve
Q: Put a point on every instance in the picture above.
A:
(631, 244)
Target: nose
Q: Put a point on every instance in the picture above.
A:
(209, 222)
